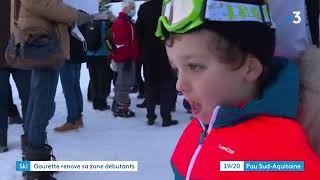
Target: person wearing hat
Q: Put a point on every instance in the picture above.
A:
(243, 99)
(124, 58)
(97, 60)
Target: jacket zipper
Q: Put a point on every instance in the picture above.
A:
(203, 136)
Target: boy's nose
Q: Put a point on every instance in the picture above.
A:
(182, 84)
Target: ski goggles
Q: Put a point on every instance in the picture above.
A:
(180, 16)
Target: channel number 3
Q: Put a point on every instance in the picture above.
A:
(297, 17)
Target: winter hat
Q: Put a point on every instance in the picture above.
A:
(255, 38)
(104, 15)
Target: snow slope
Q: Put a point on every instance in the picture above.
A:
(104, 138)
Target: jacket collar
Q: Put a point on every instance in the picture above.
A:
(124, 15)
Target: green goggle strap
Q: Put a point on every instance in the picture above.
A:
(197, 17)
(194, 20)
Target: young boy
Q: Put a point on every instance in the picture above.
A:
(244, 100)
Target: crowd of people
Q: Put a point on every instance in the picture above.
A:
(231, 81)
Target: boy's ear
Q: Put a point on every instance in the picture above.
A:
(253, 69)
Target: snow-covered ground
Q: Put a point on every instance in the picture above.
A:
(104, 138)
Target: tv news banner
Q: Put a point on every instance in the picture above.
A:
(131, 166)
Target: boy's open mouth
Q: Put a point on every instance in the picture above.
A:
(195, 107)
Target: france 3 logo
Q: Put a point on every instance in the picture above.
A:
(295, 18)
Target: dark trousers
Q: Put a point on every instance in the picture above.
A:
(175, 97)
(22, 80)
(12, 108)
(7, 108)
(4, 93)
(139, 80)
(115, 76)
(100, 80)
(163, 90)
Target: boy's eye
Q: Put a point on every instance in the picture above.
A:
(195, 67)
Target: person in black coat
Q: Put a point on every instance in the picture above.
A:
(70, 81)
(159, 77)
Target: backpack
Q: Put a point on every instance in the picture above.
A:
(109, 41)
(93, 35)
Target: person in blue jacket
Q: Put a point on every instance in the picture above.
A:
(98, 64)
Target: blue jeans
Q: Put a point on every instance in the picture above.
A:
(70, 81)
(22, 81)
(41, 105)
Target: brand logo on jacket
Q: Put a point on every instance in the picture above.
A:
(226, 149)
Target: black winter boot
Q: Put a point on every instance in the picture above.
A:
(134, 89)
(169, 122)
(151, 119)
(113, 106)
(24, 144)
(142, 105)
(140, 95)
(43, 153)
(122, 110)
(3, 143)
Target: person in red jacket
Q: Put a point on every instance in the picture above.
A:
(244, 100)
(124, 57)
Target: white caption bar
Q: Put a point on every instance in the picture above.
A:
(231, 165)
(84, 166)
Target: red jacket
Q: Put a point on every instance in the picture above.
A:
(260, 139)
(125, 38)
